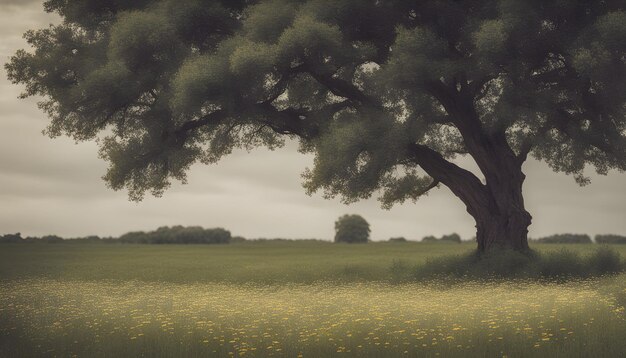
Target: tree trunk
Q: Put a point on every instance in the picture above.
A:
(497, 205)
(504, 222)
(508, 230)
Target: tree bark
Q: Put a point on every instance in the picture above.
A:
(504, 231)
(501, 217)
(504, 224)
(497, 206)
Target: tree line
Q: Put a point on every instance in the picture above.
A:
(582, 239)
(349, 229)
(198, 235)
(163, 235)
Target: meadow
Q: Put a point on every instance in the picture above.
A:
(291, 299)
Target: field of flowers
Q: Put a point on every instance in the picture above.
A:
(286, 299)
(132, 318)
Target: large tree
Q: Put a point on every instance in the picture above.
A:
(385, 93)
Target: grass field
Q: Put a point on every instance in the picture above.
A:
(290, 299)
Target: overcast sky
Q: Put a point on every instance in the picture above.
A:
(55, 187)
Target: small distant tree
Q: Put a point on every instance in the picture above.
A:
(429, 239)
(352, 229)
(454, 237)
(51, 239)
(397, 239)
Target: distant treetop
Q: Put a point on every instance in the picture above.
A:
(352, 229)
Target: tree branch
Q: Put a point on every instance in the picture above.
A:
(461, 182)
(430, 187)
(300, 122)
(213, 117)
(344, 89)
(281, 86)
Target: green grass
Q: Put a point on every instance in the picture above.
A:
(260, 262)
(263, 262)
(291, 299)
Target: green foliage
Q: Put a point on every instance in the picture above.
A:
(51, 239)
(567, 264)
(237, 239)
(561, 264)
(418, 54)
(605, 260)
(267, 20)
(566, 239)
(352, 229)
(11, 238)
(491, 40)
(610, 239)
(201, 80)
(185, 81)
(18, 239)
(355, 158)
(144, 41)
(178, 235)
(454, 238)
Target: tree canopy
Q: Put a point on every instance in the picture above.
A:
(178, 235)
(384, 93)
(352, 229)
